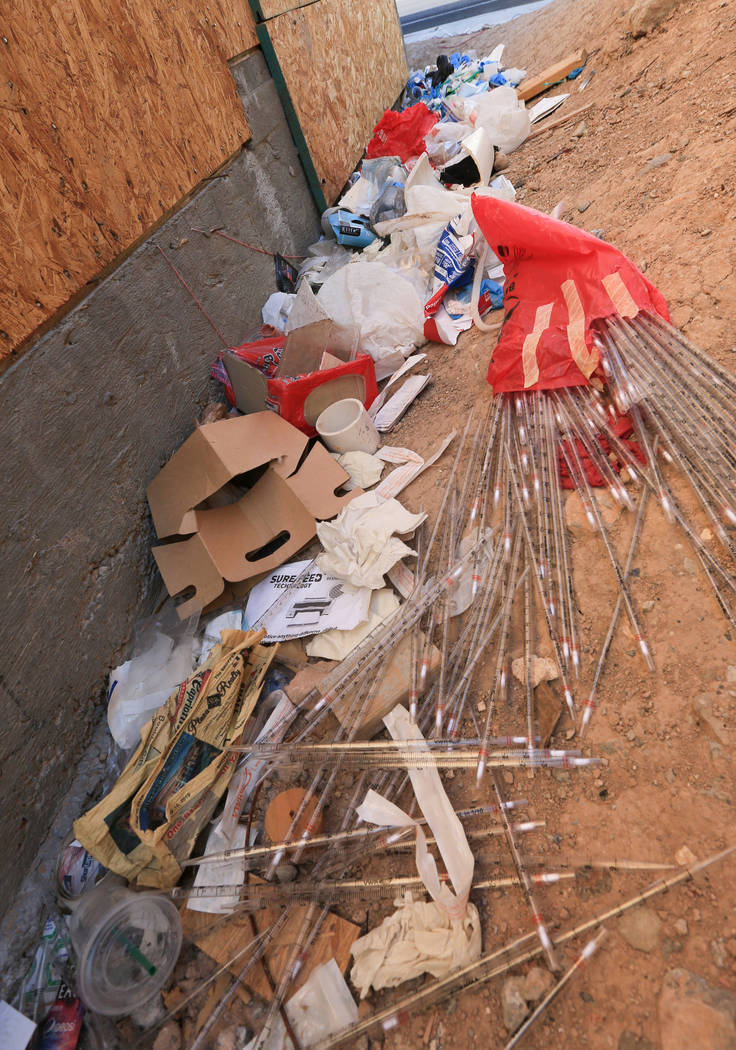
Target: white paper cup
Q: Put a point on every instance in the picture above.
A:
(346, 427)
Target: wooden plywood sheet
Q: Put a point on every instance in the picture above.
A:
(110, 113)
(265, 9)
(334, 940)
(342, 63)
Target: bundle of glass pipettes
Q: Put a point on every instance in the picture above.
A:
(500, 537)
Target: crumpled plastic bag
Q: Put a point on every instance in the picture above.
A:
(384, 307)
(499, 112)
(401, 134)
(360, 545)
(420, 937)
(335, 644)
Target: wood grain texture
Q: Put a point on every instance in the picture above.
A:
(109, 115)
(334, 941)
(265, 9)
(533, 86)
(343, 64)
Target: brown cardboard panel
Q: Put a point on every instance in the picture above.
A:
(249, 385)
(212, 456)
(305, 346)
(185, 564)
(315, 483)
(234, 534)
(328, 393)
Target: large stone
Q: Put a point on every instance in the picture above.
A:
(513, 1003)
(693, 1014)
(640, 928)
(646, 15)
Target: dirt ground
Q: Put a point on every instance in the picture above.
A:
(667, 777)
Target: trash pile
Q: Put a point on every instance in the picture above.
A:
(295, 714)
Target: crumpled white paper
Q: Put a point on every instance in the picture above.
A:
(360, 545)
(336, 644)
(421, 937)
(364, 469)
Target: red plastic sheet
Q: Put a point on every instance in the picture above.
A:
(559, 280)
(623, 428)
(401, 134)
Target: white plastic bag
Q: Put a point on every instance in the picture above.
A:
(499, 112)
(383, 306)
(163, 657)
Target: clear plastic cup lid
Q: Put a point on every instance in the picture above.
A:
(130, 954)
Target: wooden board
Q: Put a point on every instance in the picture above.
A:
(110, 113)
(338, 65)
(533, 86)
(265, 9)
(334, 940)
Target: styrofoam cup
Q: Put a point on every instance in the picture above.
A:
(345, 426)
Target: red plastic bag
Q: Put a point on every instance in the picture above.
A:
(401, 134)
(559, 279)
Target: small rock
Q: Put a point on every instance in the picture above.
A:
(632, 1041)
(657, 162)
(580, 130)
(508, 776)
(481, 705)
(685, 857)
(702, 706)
(681, 927)
(286, 872)
(647, 606)
(706, 535)
(646, 15)
(169, 1038)
(670, 946)
(583, 206)
(501, 162)
(513, 1003)
(536, 983)
(543, 670)
(718, 953)
(227, 1039)
(640, 928)
(693, 1014)
(731, 673)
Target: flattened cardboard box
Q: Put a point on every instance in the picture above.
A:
(232, 537)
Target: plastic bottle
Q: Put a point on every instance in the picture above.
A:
(390, 205)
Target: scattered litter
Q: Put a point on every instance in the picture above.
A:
(361, 544)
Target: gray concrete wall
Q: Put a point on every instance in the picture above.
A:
(90, 414)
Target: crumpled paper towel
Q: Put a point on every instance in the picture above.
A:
(335, 644)
(360, 545)
(364, 469)
(421, 937)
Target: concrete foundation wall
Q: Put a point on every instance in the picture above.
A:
(90, 414)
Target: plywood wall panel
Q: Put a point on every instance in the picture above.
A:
(265, 9)
(110, 113)
(343, 64)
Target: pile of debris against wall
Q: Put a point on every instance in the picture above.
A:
(376, 572)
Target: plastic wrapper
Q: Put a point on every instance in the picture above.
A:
(336, 644)
(499, 112)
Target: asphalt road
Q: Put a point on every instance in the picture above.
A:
(415, 21)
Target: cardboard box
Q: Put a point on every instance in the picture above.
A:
(246, 494)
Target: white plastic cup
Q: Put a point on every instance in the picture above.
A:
(345, 426)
